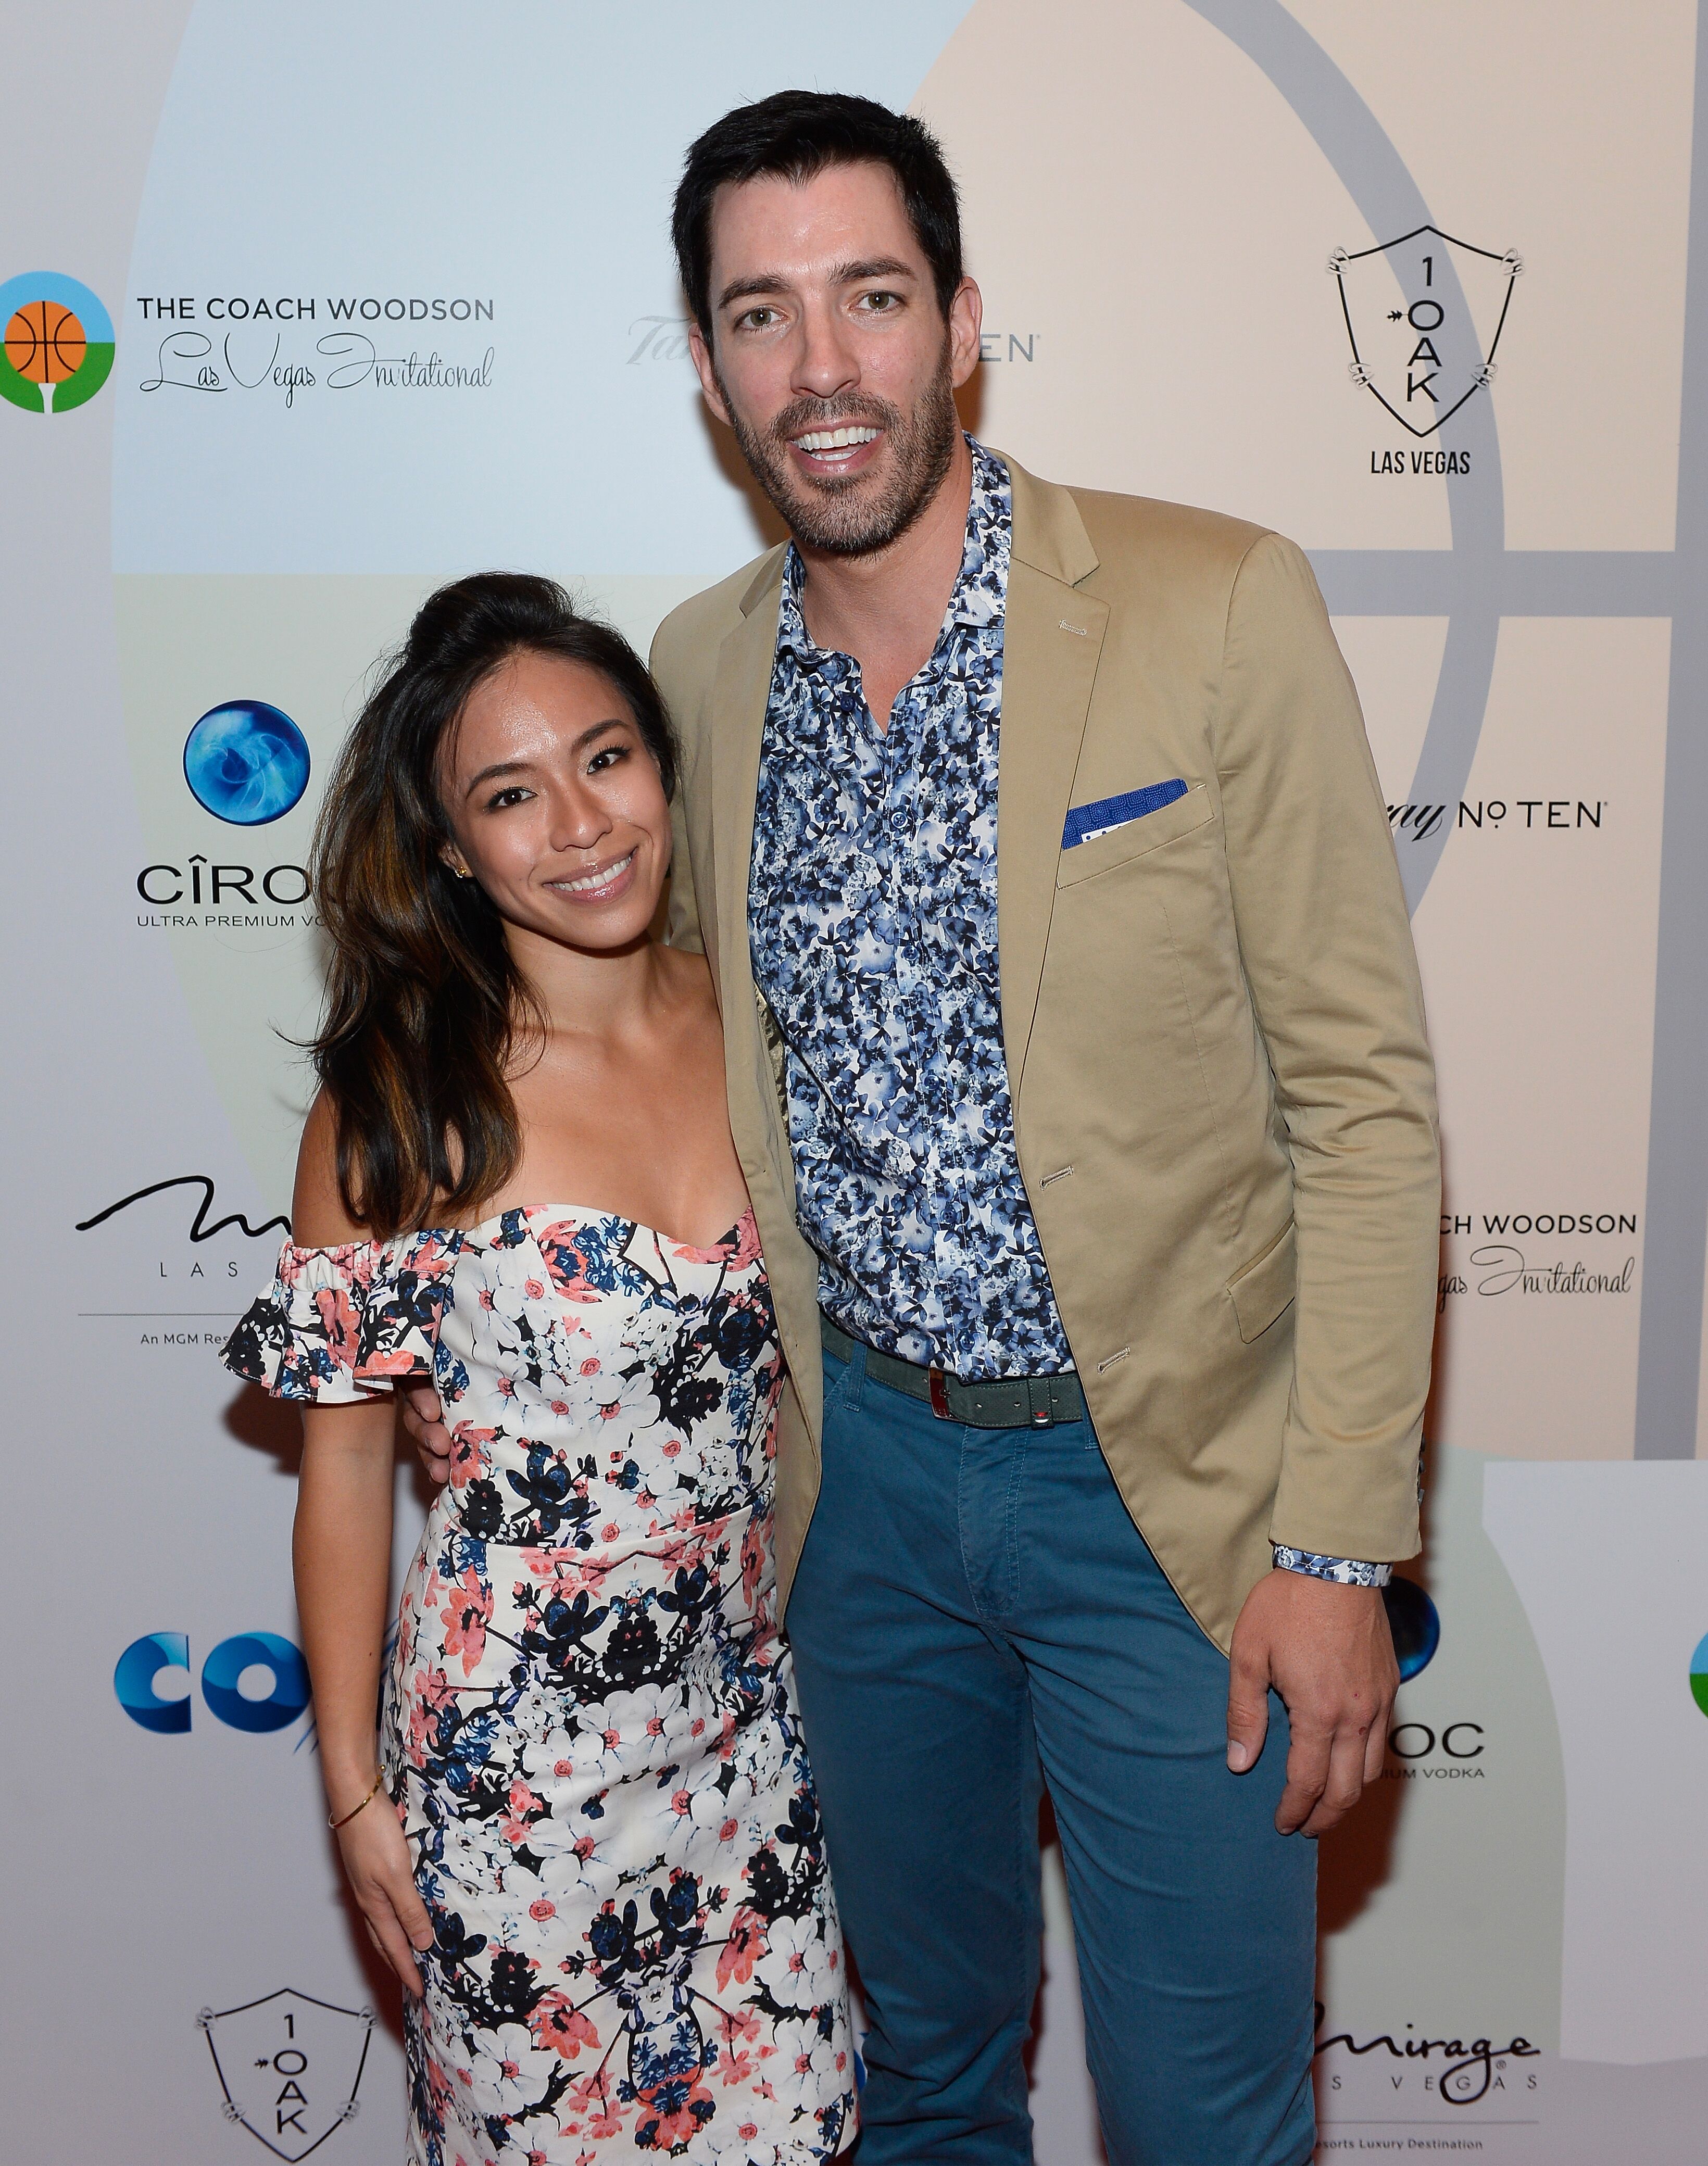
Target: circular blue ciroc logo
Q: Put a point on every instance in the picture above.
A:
(1416, 1624)
(246, 762)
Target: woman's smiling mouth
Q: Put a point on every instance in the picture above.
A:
(602, 883)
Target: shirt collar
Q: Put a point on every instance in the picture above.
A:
(980, 589)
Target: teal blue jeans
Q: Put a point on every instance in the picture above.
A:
(975, 1612)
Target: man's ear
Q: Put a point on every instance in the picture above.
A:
(966, 316)
(702, 353)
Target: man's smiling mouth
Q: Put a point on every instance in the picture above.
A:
(835, 440)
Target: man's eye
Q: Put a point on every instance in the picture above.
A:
(879, 304)
(758, 319)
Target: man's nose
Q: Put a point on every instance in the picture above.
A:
(825, 362)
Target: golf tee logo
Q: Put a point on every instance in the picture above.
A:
(56, 344)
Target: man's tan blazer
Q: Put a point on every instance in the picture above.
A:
(1224, 1100)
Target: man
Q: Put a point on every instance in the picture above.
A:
(1076, 1064)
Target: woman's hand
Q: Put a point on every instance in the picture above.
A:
(377, 1859)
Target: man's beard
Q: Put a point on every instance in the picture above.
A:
(832, 515)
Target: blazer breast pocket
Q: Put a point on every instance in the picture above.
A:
(1135, 839)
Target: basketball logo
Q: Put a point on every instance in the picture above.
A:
(56, 342)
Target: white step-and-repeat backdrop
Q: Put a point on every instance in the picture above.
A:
(306, 308)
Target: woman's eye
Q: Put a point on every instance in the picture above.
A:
(505, 798)
(610, 752)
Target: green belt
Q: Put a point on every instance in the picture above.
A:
(1008, 1402)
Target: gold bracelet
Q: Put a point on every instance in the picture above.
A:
(354, 1810)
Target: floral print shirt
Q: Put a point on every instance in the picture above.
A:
(872, 917)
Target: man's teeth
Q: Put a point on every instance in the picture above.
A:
(594, 879)
(834, 439)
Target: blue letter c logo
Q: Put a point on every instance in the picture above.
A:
(246, 1650)
(133, 1680)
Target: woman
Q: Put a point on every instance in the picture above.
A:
(603, 1883)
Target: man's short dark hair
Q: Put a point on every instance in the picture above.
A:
(795, 136)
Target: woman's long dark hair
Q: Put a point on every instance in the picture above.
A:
(424, 1004)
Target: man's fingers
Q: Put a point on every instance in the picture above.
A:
(1307, 1774)
(1248, 1711)
(1345, 1785)
(1376, 1747)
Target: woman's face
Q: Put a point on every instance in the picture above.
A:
(555, 804)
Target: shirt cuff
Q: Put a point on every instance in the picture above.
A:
(1346, 1571)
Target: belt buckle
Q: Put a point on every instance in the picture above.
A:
(940, 1393)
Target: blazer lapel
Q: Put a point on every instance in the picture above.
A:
(1052, 638)
(738, 725)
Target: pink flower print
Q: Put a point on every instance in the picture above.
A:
(736, 2069)
(559, 1245)
(740, 2023)
(672, 1448)
(746, 1944)
(469, 1454)
(729, 1830)
(525, 1808)
(737, 1253)
(589, 1367)
(561, 1408)
(681, 1803)
(397, 1363)
(540, 1911)
(753, 1559)
(466, 1615)
(748, 2131)
(338, 1321)
(533, 1289)
(558, 2026)
(676, 2110)
(584, 1848)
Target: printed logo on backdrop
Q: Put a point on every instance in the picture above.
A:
(1440, 1751)
(56, 344)
(1499, 816)
(289, 2067)
(1699, 1674)
(246, 762)
(173, 1275)
(1424, 359)
(665, 338)
(276, 344)
(1445, 2071)
(253, 1680)
(1539, 1253)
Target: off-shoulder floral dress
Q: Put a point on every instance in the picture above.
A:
(588, 1726)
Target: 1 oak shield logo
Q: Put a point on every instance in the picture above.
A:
(289, 2066)
(1423, 357)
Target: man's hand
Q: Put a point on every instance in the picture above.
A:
(1327, 1650)
(424, 1424)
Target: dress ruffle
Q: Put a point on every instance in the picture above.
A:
(340, 1325)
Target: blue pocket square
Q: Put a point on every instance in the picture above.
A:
(1086, 822)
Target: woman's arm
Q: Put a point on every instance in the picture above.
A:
(342, 1551)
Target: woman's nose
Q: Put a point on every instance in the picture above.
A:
(580, 820)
